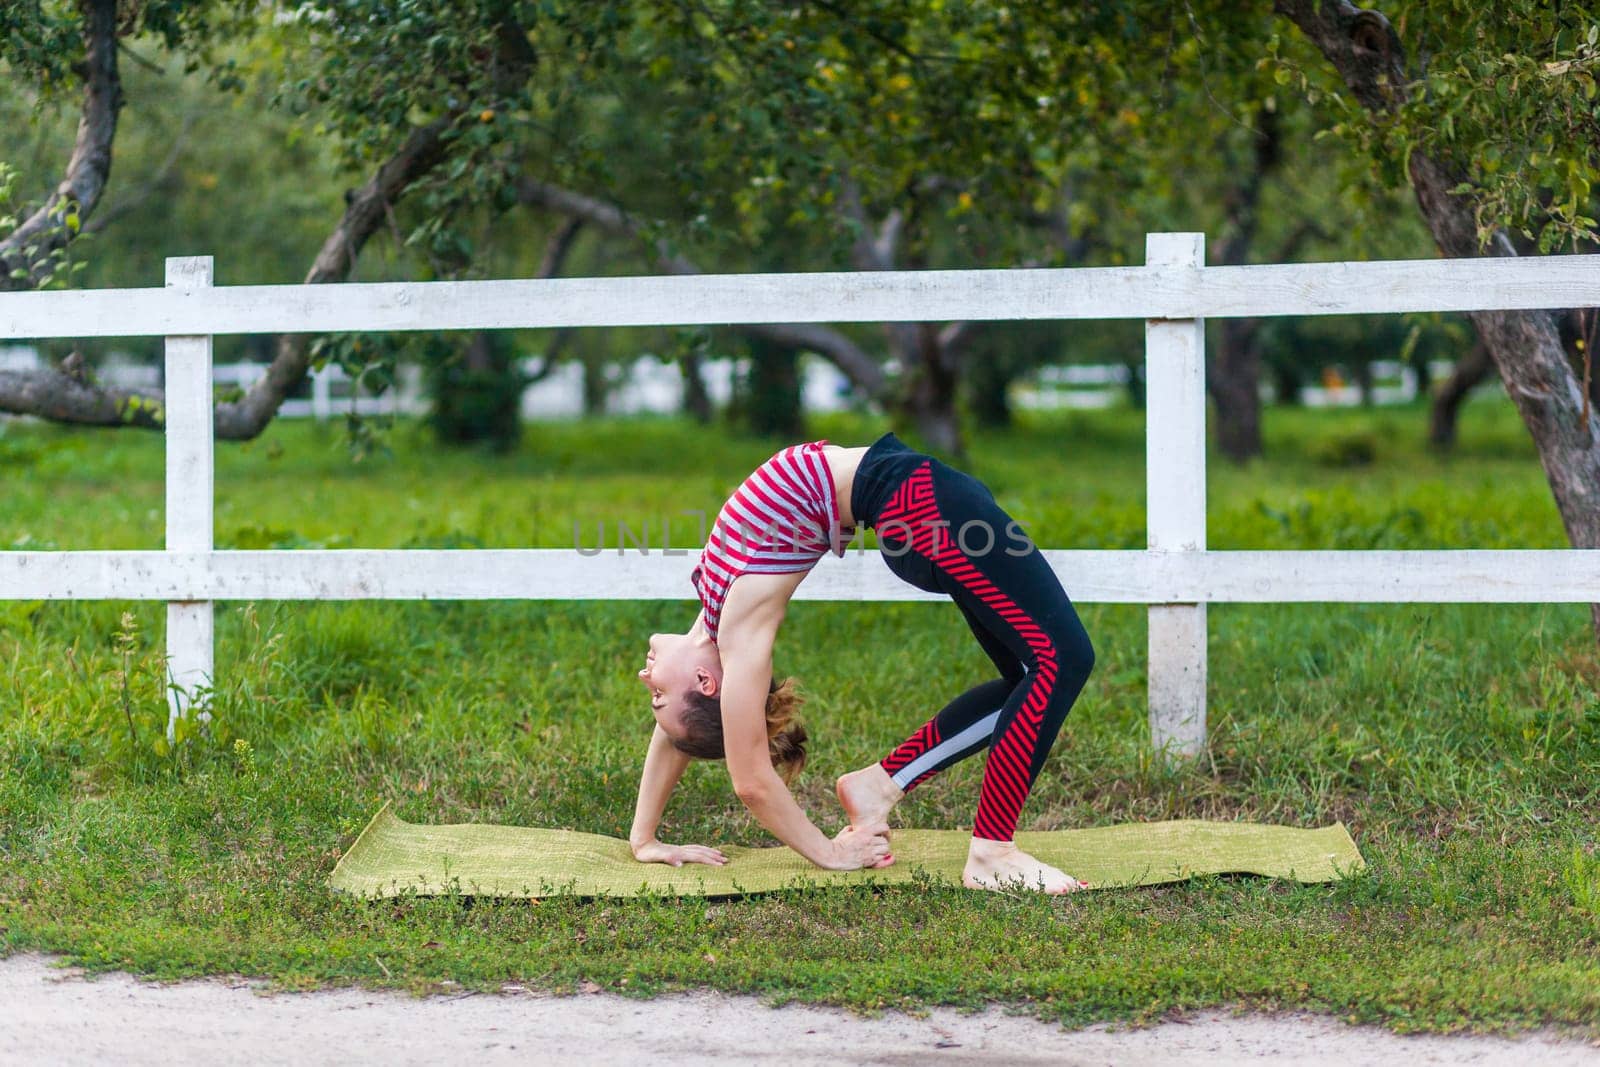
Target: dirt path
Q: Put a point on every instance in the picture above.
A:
(51, 1015)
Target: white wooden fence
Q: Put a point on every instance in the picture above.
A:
(1176, 575)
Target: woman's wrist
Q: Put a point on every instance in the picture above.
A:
(799, 833)
(828, 856)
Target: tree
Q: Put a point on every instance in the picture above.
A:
(80, 46)
(1493, 132)
(415, 92)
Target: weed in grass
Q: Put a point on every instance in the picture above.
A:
(124, 643)
(1582, 879)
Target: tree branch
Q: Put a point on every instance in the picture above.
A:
(46, 231)
(1303, 232)
(956, 337)
(52, 395)
(869, 252)
(862, 370)
(1366, 52)
(1362, 46)
(560, 246)
(364, 214)
(906, 339)
(555, 254)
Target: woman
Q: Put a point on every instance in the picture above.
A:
(712, 693)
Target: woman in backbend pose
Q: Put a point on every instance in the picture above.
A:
(713, 695)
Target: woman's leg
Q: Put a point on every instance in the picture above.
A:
(964, 726)
(1014, 603)
(987, 714)
(961, 728)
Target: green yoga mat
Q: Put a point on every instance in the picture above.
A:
(392, 858)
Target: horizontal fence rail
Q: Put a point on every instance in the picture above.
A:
(1176, 575)
(1486, 576)
(1149, 292)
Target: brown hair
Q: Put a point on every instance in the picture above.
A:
(786, 736)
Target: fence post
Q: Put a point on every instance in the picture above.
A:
(322, 394)
(1175, 477)
(189, 430)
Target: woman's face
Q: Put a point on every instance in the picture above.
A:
(673, 665)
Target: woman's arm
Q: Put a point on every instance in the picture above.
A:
(746, 674)
(663, 766)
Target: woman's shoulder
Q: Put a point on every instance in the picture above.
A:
(755, 593)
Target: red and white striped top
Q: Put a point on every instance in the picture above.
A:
(782, 519)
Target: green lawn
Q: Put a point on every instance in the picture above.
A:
(1460, 744)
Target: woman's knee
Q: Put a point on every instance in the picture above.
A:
(1074, 651)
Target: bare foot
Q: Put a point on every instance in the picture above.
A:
(868, 795)
(1002, 865)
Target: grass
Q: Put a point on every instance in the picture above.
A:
(1460, 743)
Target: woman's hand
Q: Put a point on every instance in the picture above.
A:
(857, 847)
(678, 855)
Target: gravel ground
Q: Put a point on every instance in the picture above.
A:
(51, 1015)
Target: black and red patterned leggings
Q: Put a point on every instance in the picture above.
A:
(941, 530)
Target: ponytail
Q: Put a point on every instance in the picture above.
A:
(786, 735)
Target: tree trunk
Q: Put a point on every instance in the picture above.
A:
(1578, 335)
(478, 398)
(772, 401)
(31, 247)
(696, 398)
(1470, 370)
(1233, 372)
(481, 356)
(1525, 345)
(1419, 366)
(929, 365)
(988, 382)
(595, 386)
(1234, 384)
(1527, 351)
(930, 400)
(1363, 376)
(477, 392)
(1136, 384)
(1287, 381)
(939, 427)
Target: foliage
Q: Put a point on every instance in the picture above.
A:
(57, 266)
(743, 132)
(496, 76)
(475, 401)
(44, 41)
(1506, 92)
